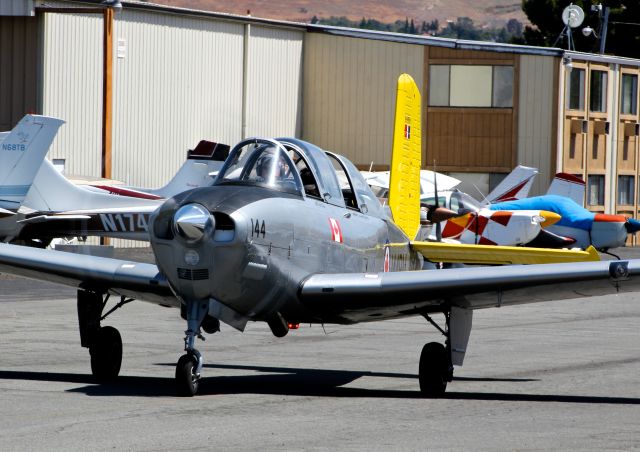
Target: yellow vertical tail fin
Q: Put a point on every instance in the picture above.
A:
(404, 181)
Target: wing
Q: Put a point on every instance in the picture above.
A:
(499, 255)
(348, 298)
(118, 277)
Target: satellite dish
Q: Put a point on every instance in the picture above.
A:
(573, 16)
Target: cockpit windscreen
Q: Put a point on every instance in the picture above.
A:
(261, 162)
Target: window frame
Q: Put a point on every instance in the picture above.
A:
(492, 83)
(582, 88)
(601, 191)
(604, 95)
(630, 189)
(634, 100)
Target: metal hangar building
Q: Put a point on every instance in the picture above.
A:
(139, 86)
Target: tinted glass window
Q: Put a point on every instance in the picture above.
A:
(629, 94)
(598, 91)
(575, 89)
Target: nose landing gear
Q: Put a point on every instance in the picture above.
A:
(188, 373)
(189, 367)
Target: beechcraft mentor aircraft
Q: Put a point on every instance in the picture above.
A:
(277, 239)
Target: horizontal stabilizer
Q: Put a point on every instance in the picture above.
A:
(209, 150)
(500, 255)
(47, 218)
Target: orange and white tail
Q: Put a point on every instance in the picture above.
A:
(515, 186)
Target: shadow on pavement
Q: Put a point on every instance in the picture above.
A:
(291, 382)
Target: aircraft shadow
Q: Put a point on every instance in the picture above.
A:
(287, 381)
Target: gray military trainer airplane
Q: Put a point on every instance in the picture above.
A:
(278, 238)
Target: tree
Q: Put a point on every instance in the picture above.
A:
(623, 37)
(462, 28)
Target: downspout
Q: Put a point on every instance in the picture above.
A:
(107, 93)
(245, 77)
(561, 117)
(613, 140)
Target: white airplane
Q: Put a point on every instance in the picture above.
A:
(515, 185)
(21, 150)
(280, 242)
(46, 205)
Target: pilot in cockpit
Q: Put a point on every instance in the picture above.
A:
(272, 169)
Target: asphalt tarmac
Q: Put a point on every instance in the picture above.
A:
(555, 376)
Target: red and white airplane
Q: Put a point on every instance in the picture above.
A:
(41, 204)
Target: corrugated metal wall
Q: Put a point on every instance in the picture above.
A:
(72, 88)
(16, 8)
(18, 60)
(349, 93)
(537, 118)
(274, 85)
(177, 80)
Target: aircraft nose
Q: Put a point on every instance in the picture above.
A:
(632, 226)
(550, 218)
(191, 220)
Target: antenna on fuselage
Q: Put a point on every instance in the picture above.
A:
(435, 189)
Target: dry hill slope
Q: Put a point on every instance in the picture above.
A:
(492, 13)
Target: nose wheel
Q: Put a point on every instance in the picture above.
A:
(187, 374)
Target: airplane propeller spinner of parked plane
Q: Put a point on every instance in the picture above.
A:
(277, 239)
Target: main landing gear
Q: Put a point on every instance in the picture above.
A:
(104, 342)
(436, 369)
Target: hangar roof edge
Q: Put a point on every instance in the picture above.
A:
(377, 35)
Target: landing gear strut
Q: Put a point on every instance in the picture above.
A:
(190, 364)
(435, 368)
(104, 342)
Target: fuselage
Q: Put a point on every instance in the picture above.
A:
(260, 240)
(256, 267)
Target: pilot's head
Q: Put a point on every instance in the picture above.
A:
(263, 166)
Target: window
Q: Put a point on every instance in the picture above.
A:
(470, 86)
(575, 87)
(502, 86)
(595, 190)
(439, 85)
(629, 101)
(598, 91)
(626, 190)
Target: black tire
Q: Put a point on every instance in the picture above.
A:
(106, 354)
(433, 372)
(186, 378)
